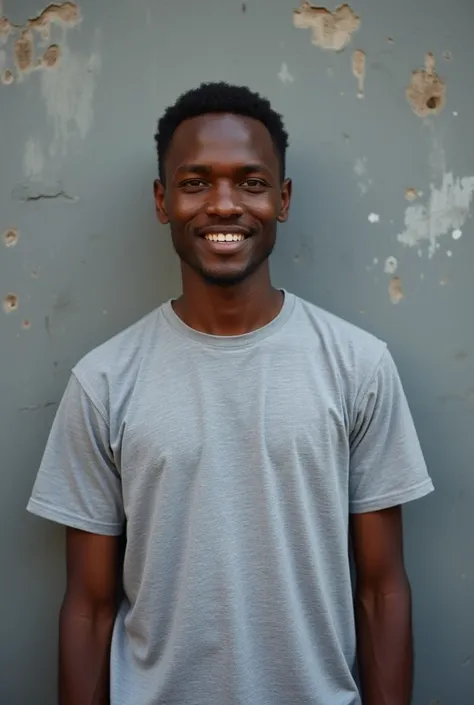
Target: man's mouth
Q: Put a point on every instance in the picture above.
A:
(224, 237)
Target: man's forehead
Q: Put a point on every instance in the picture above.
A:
(242, 138)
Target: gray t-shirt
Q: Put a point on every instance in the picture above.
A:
(233, 463)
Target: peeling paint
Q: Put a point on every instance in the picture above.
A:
(329, 30)
(456, 234)
(426, 92)
(68, 92)
(374, 218)
(24, 51)
(391, 265)
(26, 325)
(66, 14)
(7, 77)
(411, 194)
(39, 191)
(285, 75)
(51, 56)
(10, 303)
(358, 69)
(447, 210)
(5, 27)
(10, 237)
(395, 290)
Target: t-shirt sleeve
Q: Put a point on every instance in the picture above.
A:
(78, 484)
(387, 467)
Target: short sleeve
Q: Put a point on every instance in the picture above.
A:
(78, 484)
(387, 467)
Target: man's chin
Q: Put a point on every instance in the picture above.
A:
(225, 279)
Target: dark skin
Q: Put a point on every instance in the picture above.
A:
(223, 175)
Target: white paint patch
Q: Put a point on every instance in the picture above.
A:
(33, 159)
(449, 253)
(374, 218)
(376, 260)
(457, 234)
(68, 92)
(285, 75)
(361, 170)
(391, 265)
(447, 209)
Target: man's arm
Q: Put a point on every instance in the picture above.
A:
(383, 608)
(87, 618)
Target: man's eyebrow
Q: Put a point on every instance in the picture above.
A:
(194, 168)
(205, 169)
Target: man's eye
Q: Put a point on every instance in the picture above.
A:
(254, 184)
(193, 184)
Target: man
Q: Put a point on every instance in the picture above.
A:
(237, 437)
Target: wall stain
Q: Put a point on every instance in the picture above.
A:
(51, 55)
(411, 194)
(10, 237)
(37, 407)
(24, 51)
(358, 69)
(66, 14)
(329, 30)
(426, 92)
(395, 290)
(7, 77)
(10, 303)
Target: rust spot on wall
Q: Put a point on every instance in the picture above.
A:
(411, 194)
(24, 50)
(67, 13)
(395, 290)
(51, 55)
(10, 303)
(426, 92)
(7, 77)
(329, 30)
(5, 26)
(26, 325)
(10, 237)
(358, 69)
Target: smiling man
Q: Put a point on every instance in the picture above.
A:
(232, 442)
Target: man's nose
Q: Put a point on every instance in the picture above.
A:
(224, 201)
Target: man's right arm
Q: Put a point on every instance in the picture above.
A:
(87, 618)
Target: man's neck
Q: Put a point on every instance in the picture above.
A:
(228, 310)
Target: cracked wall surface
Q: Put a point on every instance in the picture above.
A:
(377, 100)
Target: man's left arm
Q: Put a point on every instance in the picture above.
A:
(382, 608)
(387, 469)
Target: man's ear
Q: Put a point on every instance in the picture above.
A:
(160, 202)
(286, 188)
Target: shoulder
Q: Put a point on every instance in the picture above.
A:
(109, 371)
(353, 350)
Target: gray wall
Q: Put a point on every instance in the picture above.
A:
(77, 165)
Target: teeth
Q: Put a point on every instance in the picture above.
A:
(224, 237)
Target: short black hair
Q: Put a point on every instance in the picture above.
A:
(220, 98)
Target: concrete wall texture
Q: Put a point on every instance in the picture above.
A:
(379, 104)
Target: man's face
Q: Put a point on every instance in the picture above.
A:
(223, 196)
